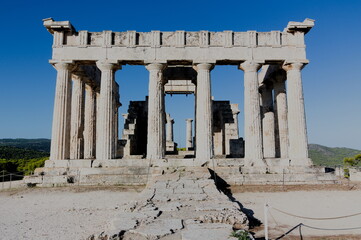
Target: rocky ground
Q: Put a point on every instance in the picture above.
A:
(78, 212)
(180, 205)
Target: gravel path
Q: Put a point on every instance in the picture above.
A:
(76, 213)
(58, 214)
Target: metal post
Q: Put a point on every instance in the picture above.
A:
(10, 180)
(265, 221)
(3, 179)
(283, 179)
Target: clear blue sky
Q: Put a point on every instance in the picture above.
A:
(332, 81)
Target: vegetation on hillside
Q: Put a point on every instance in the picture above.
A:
(40, 144)
(7, 152)
(327, 156)
(20, 161)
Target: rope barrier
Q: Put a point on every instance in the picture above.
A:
(312, 218)
(10, 174)
(329, 229)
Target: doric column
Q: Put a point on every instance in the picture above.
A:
(252, 114)
(235, 112)
(170, 122)
(117, 104)
(298, 151)
(189, 137)
(77, 118)
(204, 139)
(156, 112)
(97, 123)
(60, 143)
(89, 122)
(106, 146)
(268, 122)
(280, 99)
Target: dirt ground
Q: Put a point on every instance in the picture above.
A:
(77, 212)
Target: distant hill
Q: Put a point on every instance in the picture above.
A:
(328, 156)
(22, 156)
(40, 144)
(9, 153)
(321, 155)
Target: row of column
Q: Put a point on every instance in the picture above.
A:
(291, 118)
(284, 131)
(84, 121)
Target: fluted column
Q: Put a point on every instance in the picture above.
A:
(281, 115)
(60, 144)
(298, 151)
(204, 139)
(106, 146)
(252, 114)
(156, 112)
(170, 122)
(77, 118)
(117, 104)
(268, 123)
(189, 137)
(89, 122)
(235, 112)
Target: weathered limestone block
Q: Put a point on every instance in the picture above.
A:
(198, 206)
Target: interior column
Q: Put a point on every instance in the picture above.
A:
(77, 118)
(279, 87)
(89, 122)
(268, 122)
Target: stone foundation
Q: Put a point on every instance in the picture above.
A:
(138, 171)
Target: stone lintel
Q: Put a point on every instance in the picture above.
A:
(304, 26)
(54, 61)
(53, 26)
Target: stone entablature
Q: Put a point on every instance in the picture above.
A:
(226, 46)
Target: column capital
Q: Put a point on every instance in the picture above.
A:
(156, 66)
(294, 65)
(250, 66)
(189, 120)
(203, 66)
(169, 119)
(63, 65)
(90, 86)
(108, 65)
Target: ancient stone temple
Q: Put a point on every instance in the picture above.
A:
(85, 122)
